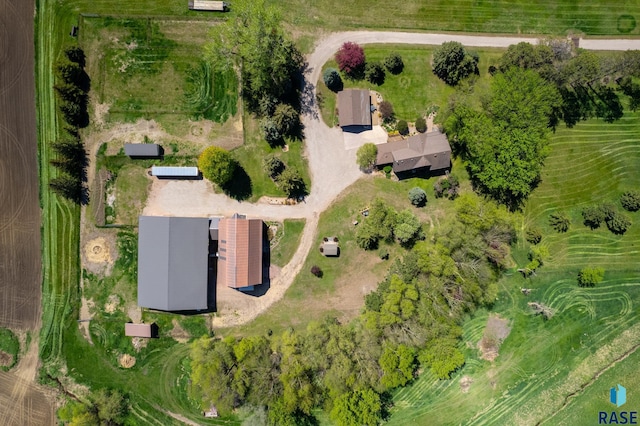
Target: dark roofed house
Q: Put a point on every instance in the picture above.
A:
(142, 150)
(141, 330)
(354, 108)
(173, 263)
(240, 252)
(427, 152)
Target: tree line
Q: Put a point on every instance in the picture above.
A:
(72, 87)
(411, 322)
(504, 137)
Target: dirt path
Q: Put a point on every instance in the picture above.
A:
(331, 165)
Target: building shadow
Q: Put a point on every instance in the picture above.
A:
(356, 129)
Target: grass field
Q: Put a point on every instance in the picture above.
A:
(542, 362)
(617, 17)
(412, 92)
(288, 238)
(151, 67)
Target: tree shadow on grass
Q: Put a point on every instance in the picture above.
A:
(239, 187)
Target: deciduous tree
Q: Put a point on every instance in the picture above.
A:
(351, 59)
(366, 156)
(452, 63)
(217, 165)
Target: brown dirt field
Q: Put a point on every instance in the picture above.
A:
(21, 402)
(20, 262)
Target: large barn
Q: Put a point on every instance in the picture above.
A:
(173, 255)
(240, 248)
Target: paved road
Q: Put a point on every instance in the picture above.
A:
(332, 167)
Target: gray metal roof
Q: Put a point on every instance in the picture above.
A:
(142, 149)
(354, 107)
(173, 262)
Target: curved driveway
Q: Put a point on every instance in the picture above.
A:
(332, 167)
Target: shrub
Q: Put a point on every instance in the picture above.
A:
(366, 156)
(402, 127)
(291, 183)
(452, 63)
(534, 235)
(593, 216)
(394, 63)
(407, 228)
(351, 59)
(217, 165)
(374, 73)
(386, 111)
(630, 201)
(286, 119)
(332, 79)
(539, 254)
(559, 221)
(417, 196)
(271, 133)
(618, 223)
(383, 253)
(387, 170)
(447, 186)
(315, 270)
(421, 124)
(589, 277)
(273, 166)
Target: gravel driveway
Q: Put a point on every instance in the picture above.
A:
(332, 166)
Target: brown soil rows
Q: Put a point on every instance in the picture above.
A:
(21, 402)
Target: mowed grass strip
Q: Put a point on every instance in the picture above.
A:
(597, 17)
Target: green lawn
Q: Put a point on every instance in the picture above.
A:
(289, 233)
(542, 362)
(311, 295)
(597, 17)
(412, 92)
(132, 188)
(255, 148)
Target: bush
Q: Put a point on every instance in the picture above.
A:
(332, 79)
(589, 277)
(286, 119)
(351, 59)
(559, 221)
(383, 253)
(593, 216)
(447, 186)
(315, 270)
(452, 63)
(630, 201)
(402, 127)
(374, 73)
(270, 131)
(387, 170)
(366, 156)
(421, 124)
(394, 63)
(386, 111)
(534, 235)
(10, 345)
(291, 183)
(273, 166)
(417, 196)
(539, 254)
(618, 223)
(217, 165)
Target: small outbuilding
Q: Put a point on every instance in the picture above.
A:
(141, 330)
(142, 150)
(330, 247)
(175, 172)
(354, 109)
(208, 5)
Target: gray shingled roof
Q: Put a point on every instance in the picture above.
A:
(354, 107)
(173, 262)
(142, 149)
(430, 150)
